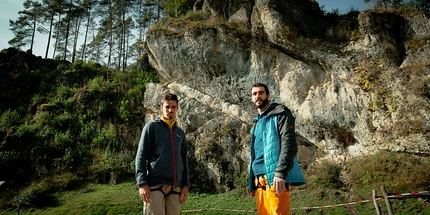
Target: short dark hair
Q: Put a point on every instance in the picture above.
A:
(170, 97)
(258, 84)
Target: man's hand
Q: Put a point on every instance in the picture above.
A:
(184, 195)
(145, 193)
(279, 185)
(249, 193)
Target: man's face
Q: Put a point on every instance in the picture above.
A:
(169, 109)
(259, 97)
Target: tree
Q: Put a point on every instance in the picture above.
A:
(377, 3)
(384, 4)
(106, 11)
(418, 4)
(25, 27)
(179, 7)
(111, 31)
(78, 15)
(51, 8)
(88, 6)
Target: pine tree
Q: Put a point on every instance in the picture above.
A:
(25, 26)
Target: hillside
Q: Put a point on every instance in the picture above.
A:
(64, 123)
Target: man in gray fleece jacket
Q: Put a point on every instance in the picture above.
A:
(162, 163)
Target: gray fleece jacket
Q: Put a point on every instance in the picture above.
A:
(161, 157)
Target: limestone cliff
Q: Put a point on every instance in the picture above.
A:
(356, 84)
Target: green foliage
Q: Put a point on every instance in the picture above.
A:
(179, 7)
(63, 140)
(63, 121)
(86, 67)
(371, 79)
(63, 91)
(40, 194)
(140, 79)
(124, 111)
(63, 97)
(328, 175)
(196, 16)
(105, 139)
(95, 85)
(109, 166)
(80, 126)
(397, 171)
(417, 43)
(353, 34)
(8, 119)
(37, 195)
(87, 129)
(27, 130)
(192, 19)
(105, 109)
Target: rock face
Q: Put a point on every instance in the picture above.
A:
(350, 97)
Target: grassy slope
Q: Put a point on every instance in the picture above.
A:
(123, 199)
(327, 184)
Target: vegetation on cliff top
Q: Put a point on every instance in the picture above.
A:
(64, 123)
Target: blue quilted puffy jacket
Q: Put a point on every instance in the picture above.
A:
(280, 147)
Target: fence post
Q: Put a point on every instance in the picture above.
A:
(375, 201)
(387, 201)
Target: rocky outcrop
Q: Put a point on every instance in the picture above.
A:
(350, 97)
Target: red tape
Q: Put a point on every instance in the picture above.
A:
(316, 207)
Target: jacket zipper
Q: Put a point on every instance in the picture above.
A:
(174, 156)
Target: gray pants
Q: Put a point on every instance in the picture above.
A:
(165, 201)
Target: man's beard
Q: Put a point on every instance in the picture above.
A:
(263, 104)
(170, 116)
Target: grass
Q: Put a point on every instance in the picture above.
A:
(123, 199)
(98, 199)
(330, 189)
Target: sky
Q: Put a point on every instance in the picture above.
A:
(9, 10)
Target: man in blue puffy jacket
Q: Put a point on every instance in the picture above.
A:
(273, 154)
(162, 163)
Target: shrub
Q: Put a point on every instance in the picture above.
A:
(86, 129)
(106, 138)
(8, 119)
(68, 103)
(63, 141)
(124, 111)
(108, 167)
(328, 175)
(105, 109)
(27, 130)
(143, 78)
(179, 8)
(63, 91)
(88, 68)
(38, 196)
(42, 117)
(199, 15)
(95, 84)
(63, 121)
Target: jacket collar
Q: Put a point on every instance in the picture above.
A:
(274, 108)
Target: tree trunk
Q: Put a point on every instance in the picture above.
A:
(49, 36)
(83, 58)
(33, 34)
(56, 40)
(75, 42)
(66, 37)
